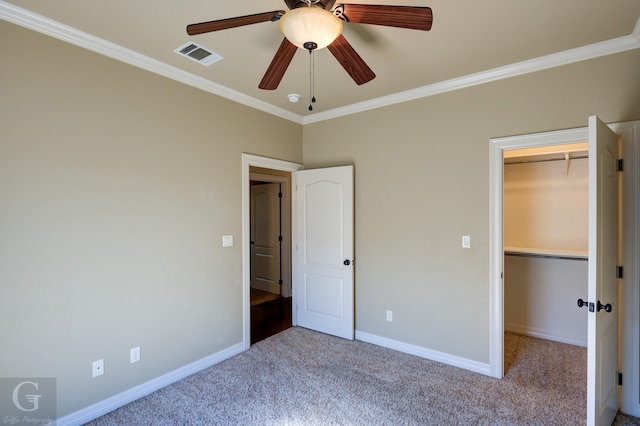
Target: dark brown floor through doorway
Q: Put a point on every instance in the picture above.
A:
(270, 318)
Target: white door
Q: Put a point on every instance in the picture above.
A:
(602, 358)
(265, 237)
(323, 258)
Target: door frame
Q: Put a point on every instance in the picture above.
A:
(630, 293)
(249, 160)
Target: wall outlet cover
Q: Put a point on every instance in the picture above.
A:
(98, 368)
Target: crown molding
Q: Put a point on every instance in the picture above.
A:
(592, 51)
(44, 25)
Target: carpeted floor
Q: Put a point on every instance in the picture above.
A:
(300, 377)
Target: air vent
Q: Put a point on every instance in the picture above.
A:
(198, 53)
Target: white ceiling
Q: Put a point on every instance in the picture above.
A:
(470, 42)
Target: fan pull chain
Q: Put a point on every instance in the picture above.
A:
(312, 81)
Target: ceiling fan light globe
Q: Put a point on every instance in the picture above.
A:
(310, 24)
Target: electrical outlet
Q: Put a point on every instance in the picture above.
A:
(389, 316)
(98, 368)
(134, 355)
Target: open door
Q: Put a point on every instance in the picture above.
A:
(323, 251)
(602, 358)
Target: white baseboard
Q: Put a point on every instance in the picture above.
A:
(544, 334)
(455, 361)
(103, 407)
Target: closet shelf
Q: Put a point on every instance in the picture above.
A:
(554, 253)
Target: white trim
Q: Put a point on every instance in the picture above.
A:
(551, 335)
(249, 160)
(112, 403)
(44, 25)
(596, 50)
(455, 361)
(630, 321)
(496, 263)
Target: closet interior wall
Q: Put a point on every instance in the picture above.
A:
(546, 243)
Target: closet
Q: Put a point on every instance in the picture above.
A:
(545, 216)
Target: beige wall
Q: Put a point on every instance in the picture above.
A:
(422, 181)
(116, 186)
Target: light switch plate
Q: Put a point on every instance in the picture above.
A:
(466, 241)
(227, 240)
(134, 355)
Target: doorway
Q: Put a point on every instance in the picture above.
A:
(498, 149)
(545, 220)
(261, 169)
(270, 248)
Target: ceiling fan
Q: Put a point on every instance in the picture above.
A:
(314, 24)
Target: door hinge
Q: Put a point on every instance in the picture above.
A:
(620, 272)
(279, 194)
(280, 282)
(280, 238)
(619, 378)
(620, 164)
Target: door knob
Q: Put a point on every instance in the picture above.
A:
(347, 262)
(607, 307)
(582, 303)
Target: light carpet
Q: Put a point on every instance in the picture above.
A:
(301, 377)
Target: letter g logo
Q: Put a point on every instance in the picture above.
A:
(33, 399)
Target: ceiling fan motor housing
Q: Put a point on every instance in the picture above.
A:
(309, 45)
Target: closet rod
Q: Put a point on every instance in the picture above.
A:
(577, 157)
(546, 256)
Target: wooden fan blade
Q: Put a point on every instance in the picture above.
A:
(278, 66)
(411, 17)
(224, 24)
(351, 61)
